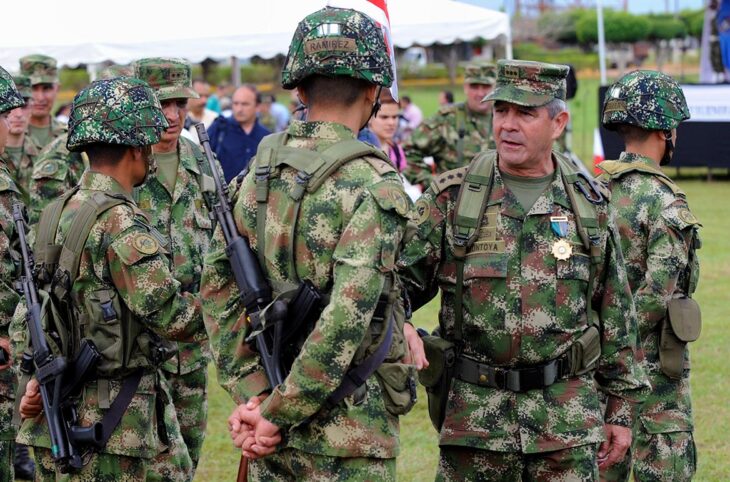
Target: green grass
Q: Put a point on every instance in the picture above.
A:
(710, 201)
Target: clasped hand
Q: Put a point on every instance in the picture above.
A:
(252, 433)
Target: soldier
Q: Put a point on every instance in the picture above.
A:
(20, 151)
(174, 199)
(122, 275)
(10, 98)
(456, 133)
(534, 298)
(43, 73)
(336, 224)
(658, 239)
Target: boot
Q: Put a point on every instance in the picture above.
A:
(24, 465)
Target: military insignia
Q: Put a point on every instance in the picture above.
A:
(423, 212)
(686, 216)
(145, 244)
(4, 184)
(49, 168)
(399, 201)
(562, 250)
(559, 225)
(144, 204)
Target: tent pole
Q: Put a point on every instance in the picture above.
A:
(601, 41)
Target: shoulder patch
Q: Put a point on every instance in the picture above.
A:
(391, 197)
(680, 217)
(422, 212)
(48, 168)
(687, 216)
(4, 183)
(145, 244)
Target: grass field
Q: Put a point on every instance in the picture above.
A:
(710, 201)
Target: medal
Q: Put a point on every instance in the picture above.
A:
(559, 225)
(562, 250)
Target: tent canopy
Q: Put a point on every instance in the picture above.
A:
(85, 32)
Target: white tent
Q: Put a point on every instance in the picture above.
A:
(82, 31)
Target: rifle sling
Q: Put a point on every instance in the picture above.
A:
(113, 416)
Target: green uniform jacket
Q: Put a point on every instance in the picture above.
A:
(522, 306)
(439, 137)
(55, 171)
(58, 129)
(21, 173)
(656, 229)
(122, 255)
(346, 242)
(182, 216)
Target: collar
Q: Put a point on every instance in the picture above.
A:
(330, 131)
(630, 157)
(96, 181)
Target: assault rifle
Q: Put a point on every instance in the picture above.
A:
(59, 380)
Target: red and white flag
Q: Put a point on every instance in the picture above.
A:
(378, 11)
(598, 155)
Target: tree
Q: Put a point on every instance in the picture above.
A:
(561, 26)
(619, 27)
(663, 28)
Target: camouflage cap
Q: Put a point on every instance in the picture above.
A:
(115, 71)
(122, 110)
(170, 78)
(480, 73)
(10, 98)
(22, 82)
(528, 83)
(41, 69)
(337, 41)
(645, 98)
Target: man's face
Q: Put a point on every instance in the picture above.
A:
(44, 95)
(18, 119)
(385, 123)
(203, 90)
(525, 135)
(244, 105)
(3, 131)
(175, 111)
(474, 95)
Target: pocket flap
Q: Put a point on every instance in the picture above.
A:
(685, 318)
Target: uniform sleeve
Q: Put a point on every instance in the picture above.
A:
(50, 178)
(364, 255)
(9, 298)
(619, 373)
(239, 372)
(422, 250)
(667, 256)
(140, 274)
(425, 141)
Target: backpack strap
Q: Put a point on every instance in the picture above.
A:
(461, 131)
(45, 249)
(616, 169)
(468, 213)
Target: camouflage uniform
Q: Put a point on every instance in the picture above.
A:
(522, 307)
(346, 235)
(452, 137)
(182, 217)
(21, 169)
(122, 255)
(658, 235)
(10, 98)
(42, 69)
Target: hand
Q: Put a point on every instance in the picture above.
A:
(31, 403)
(618, 441)
(416, 355)
(5, 346)
(256, 436)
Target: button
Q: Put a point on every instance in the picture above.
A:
(482, 378)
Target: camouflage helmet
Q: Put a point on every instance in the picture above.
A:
(337, 41)
(647, 99)
(122, 110)
(10, 98)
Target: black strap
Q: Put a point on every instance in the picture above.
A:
(520, 379)
(356, 377)
(113, 416)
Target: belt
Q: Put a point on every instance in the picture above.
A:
(513, 379)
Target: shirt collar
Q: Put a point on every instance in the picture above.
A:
(330, 131)
(97, 181)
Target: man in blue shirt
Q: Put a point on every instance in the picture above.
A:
(235, 139)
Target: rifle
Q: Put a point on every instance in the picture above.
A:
(253, 286)
(59, 381)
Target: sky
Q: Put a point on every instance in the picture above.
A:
(635, 6)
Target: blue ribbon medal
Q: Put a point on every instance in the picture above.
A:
(561, 248)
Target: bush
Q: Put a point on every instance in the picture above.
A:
(73, 79)
(619, 27)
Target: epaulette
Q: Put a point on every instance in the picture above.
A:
(380, 165)
(447, 179)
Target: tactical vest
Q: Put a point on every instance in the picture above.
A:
(470, 206)
(124, 343)
(313, 169)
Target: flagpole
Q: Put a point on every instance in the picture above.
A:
(601, 41)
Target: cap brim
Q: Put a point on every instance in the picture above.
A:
(515, 95)
(176, 92)
(43, 79)
(478, 80)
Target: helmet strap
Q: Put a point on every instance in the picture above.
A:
(668, 148)
(375, 108)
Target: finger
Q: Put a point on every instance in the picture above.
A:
(268, 441)
(262, 451)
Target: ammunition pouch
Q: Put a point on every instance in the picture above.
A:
(682, 324)
(437, 377)
(585, 352)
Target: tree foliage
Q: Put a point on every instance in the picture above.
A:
(619, 27)
(665, 27)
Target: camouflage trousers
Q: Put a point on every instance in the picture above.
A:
(295, 465)
(174, 464)
(669, 457)
(6, 460)
(101, 468)
(468, 464)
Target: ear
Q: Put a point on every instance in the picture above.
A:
(559, 123)
(370, 94)
(302, 96)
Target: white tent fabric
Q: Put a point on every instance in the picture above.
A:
(85, 31)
